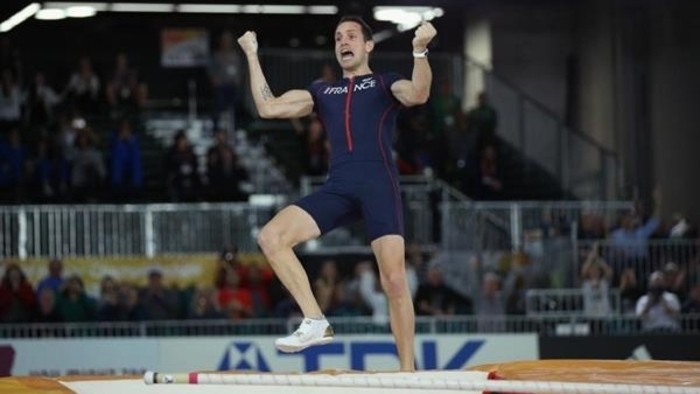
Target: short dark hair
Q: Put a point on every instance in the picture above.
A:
(366, 30)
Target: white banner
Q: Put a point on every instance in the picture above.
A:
(184, 354)
(87, 356)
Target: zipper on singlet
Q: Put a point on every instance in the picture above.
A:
(348, 98)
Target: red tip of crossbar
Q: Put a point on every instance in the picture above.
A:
(193, 377)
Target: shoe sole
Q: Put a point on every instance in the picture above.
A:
(295, 349)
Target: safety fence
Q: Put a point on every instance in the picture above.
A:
(554, 325)
(146, 230)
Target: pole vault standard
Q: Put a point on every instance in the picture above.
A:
(407, 382)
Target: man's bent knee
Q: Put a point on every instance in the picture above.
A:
(270, 239)
(395, 285)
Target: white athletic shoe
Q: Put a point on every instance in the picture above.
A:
(311, 332)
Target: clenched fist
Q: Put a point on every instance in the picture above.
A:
(424, 34)
(248, 42)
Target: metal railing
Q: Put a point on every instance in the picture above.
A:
(563, 324)
(571, 301)
(436, 215)
(582, 165)
(146, 230)
(545, 231)
(476, 225)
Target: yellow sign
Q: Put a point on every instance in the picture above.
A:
(178, 270)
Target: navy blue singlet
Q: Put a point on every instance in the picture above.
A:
(359, 116)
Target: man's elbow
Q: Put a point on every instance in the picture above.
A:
(419, 98)
(265, 113)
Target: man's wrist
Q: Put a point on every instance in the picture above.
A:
(420, 52)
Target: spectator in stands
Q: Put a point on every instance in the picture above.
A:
(88, 169)
(74, 304)
(182, 170)
(434, 298)
(534, 273)
(630, 291)
(443, 107)
(258, 286)
(236, 301)
(592, 226)
(126, 94)
(67, 134)
(596, 276)
(13, 155)
(681, 228)
(416, 260)
(286, 307)
(490, 306)
(11, 101)
(225, 76)
(131, 307)
(371, 293)
(421, 155)
(224, 172)
(52, 172)
(629, 242)
(692, 305)
(325, 284)
(17, 298)
(659, 308)
(483, 119)
(490, 185)
(229, 260)
(41, 102)
(675, 280)
(82, 91)
(109, 308)
(463, 167)
(126, 169)
(204, 305)
(10, 56)
(46, 309)
(404, 150)
(516, 295)
(312, 136)
(159, 302)
(54, 280)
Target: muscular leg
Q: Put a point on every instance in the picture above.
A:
(290, 227)
(389, 251)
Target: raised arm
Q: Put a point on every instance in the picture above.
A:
(417, 90)
(291, 104)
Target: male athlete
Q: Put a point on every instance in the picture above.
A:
(359, 114)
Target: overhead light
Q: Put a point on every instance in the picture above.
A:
(50, 14)
(80, 11)
(323, 9)
(19, 17)
(53, 10)
(252, 9)
(210, 8)
(283, 9)
(407, 17)
(99, 7)
(142, 7)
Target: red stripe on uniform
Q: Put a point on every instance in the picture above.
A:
(394, 181)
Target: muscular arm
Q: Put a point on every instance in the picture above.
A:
(417, 90)
(291, 104)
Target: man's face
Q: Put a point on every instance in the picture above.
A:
(351, 49)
